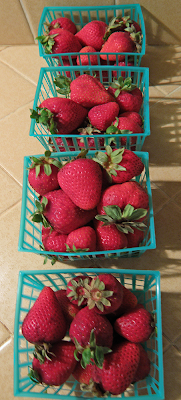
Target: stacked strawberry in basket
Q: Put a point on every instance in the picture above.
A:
(106, 329)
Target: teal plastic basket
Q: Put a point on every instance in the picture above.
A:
(81, 16)
(46, 88)
(30, 232)
(144, 284)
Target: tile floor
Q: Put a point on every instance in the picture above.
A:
(19, 71)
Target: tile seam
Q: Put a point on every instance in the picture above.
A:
(27, 19)
(11, 176)
(18, 72)
(9, 208)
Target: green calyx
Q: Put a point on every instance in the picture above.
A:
(92, 354)
(110, 161)
(122, 84)
(114, 130)
(97, 295)
(38, 216)
(77, 290)
(34, 376)
(74, 249)
(46, 162)
(45, 117)
(42, 352)
(125, 221)
(63, 83)
(47, 41)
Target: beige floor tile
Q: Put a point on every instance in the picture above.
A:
(11, 191)
(159, 198)
(166, 343)
(171, 305)
(178, 199)
(25, 60)
(176, 94)
(15, 90)
(172, 366)
(177, 343)
(4, 333)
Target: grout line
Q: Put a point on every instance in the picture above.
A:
(18, 72)
(19, 108)
(10, 208)
(27, 18)
(2, 323)
(11, 176)
(6, 342)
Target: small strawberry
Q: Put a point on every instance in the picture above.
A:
(92, 34)
(121, 126)
(42, 174)
(108, 237)
(60, 41)
(57, 369)
(83, 375)
(81, 180)
(135, 325)
(123, 64)
(57, 210)
(76, 289)
(82, 239)
(59, 115)
(102, 116)
(68, 308)
(117, 42)
(143, 366)
(64, 23)
(84, 59)
(44, 321)
(136, 117)
(128, 96)
(53, 240)
(120, 165)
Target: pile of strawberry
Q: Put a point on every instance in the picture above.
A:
(87, 107)
(93, 329)
(90, 204)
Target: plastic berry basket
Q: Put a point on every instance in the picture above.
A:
(144, 284)
(30, 232)
(46, 88)
(81, 16)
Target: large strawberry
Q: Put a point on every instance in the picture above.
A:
(81, 239)
(57, 210)
(60, 41)
(92, 34)
(64, 23)
(128, 95)
(135, 325)
(129, 301)
(86, 90)
(117, 42)
(108, 237)
(53, 240)
(68, 308)
(81, 180)
(45, 321)
(56, 369)
(42, 174)
(59, 115)
(102, 116)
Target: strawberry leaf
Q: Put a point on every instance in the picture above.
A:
(47, 169)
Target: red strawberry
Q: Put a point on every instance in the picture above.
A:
(42, 174)
(103, 115)
(128, 96)
(123, 64)
(76, 289)
(82, 239)
(104, 293)
(66, 63)
(64, 23)
(143, 366)
(81, 180)
(135, 325)
(117, 42)
(134, 116)
(60, 365)
(58, 211)
(91, 142)
(60, 41)
(129, 301)
(53, 240)
(134, 239)
(109, 238)
(59, 115)
(124, 125)
(68, 308)
(45, 321)
(83, 375)
(120, 165)
(64, 144)
(92, 34)
(119, 367)
(84, 59)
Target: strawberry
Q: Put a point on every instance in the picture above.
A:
(64, 144)
(119, 367)
(83, 375)
(76, 289)
(58, 367)
(59, 115)
(135, 325)
(92, 142)
(128, 96)
(92, 34)
(124, 125)
(53, 240)
(82, 90)
(84, 59)
(104, 293)
(45, 321)
(123, 64)
(68, 308)
(102, 116)
(125, 24)
(135, 238)
(120, 165)
(108, 237)
(64, 23)
(81, 180)
(117, 42)
(143, 366)
(129, 301)
(42, 174)
(60, 41)
(66, 63)
(81, 239)
(136, 117)
(58, 211)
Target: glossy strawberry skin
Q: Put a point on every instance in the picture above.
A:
(143, 366)
(92, 34)
(134, 239)
(63, 23)
(102, 116)
(117, 42)
(81, 180)
(83, 375)
(111, 284)
(108, 237)
(68, 308)
(63, 215)
(135, 325)
(129, 301)
(83, 59)
(45, 321)
(82, 238)
(61, 365)
(136, 117)
(128, 100)
(43, 183)
(67, 114)
(53, 240)
(65, 42)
